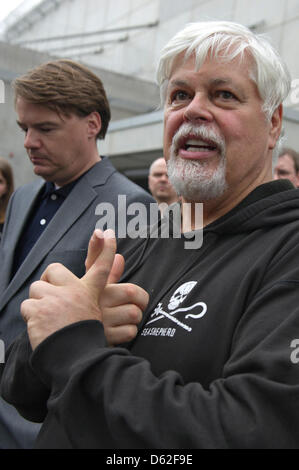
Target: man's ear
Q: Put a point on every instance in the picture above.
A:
(94, 124)
(275, 126)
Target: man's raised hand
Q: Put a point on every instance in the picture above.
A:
(60, 298)
(121, 305)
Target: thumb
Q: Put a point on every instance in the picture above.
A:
(95, 247)
(97, 275)
(116, 270)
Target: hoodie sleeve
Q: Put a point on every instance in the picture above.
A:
(120, 403)
(19, 384)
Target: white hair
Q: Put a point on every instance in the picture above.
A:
(225, 41)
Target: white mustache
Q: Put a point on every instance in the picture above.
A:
(201, 132)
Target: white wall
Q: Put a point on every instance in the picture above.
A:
(138, 56)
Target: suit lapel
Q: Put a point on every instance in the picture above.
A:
(75, 204)
(18, 219)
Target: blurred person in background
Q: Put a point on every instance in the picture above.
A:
(287, 166)
(6, 189)
(159, 184)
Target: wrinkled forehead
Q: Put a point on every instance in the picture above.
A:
(286, 161)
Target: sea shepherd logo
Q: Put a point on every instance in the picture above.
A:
(176, 314)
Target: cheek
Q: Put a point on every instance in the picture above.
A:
(240, 132)
(172, 123)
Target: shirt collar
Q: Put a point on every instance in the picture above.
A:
(63, 191)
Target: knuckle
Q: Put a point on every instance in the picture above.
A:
(23, 305)
(51, 270)
(33, 286)
(131, 332)
(146, 297)
(105, 270)
(144, 300)
(130, 291)
(134, 314)
(102, 271)
(53, 267)
(25, 308)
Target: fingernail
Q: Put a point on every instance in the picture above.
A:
(98, 233)
(109, 234)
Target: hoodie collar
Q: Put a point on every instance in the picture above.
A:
(271, 203)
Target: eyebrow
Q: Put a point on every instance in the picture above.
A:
(39, 124)
(213, 82)
(178, 83)
(221, 81)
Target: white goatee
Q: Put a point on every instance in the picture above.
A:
(196, 180)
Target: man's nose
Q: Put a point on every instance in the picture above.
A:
(199, 109)
(31, 139)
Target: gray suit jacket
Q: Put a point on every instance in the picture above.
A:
(65, 240)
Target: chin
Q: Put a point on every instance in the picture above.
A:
(43, 174)
(197, 182)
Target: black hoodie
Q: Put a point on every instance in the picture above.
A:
(215, 362)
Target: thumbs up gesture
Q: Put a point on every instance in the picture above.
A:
(121, 305)
(60, 298)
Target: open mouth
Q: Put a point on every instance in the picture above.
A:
(195, 145)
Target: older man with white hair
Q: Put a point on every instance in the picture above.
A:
(214, 360)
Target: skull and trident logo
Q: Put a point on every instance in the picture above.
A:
(173, 306)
